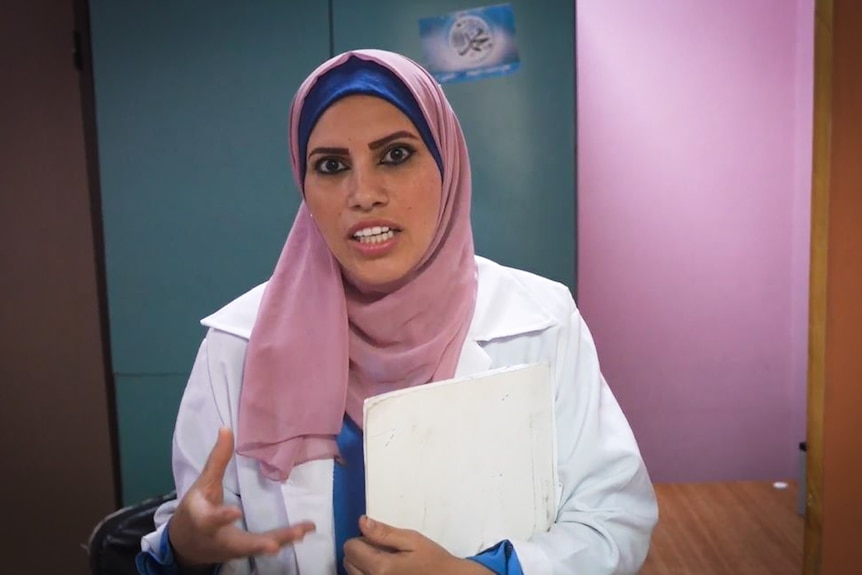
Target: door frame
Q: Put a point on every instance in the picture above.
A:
(820, 183)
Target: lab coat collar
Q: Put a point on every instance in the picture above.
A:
(504, 305)
(499, 289)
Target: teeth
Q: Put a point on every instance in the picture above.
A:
(374, 238)
(368, 232)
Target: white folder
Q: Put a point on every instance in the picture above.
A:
(467, 462)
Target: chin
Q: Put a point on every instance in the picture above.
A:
(372, 278)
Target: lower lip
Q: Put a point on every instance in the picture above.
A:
(376, 249)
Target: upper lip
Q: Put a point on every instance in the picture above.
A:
(371, 224)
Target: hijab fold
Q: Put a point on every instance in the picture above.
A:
(319, 346)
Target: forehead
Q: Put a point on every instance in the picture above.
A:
(360, 116)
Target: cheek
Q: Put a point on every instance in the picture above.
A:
(424, 206)
(430, 206)
(325, 210)
(424, 215)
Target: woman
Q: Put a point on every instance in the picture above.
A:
(378, 288)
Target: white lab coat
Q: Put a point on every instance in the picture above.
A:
(606, 508)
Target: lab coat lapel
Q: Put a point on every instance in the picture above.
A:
(473, 359)
(307, 496)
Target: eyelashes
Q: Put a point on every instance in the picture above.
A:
(329, 166)
(394, 155)
(397, 154)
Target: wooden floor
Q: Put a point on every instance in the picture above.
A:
(740, 528)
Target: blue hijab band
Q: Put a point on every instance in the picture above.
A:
(358, 76)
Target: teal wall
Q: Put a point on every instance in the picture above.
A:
(197, 196)
(520, 128)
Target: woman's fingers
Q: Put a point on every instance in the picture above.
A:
(207, 516)
(219, 516)
(387, 537)
(364, 557)
(224, 515)
(352, 569)
(239, 543)
(292, 534)
(203, 530)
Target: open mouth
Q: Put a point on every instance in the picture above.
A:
(375, 235)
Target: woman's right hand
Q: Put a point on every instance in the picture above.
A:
(202, 530)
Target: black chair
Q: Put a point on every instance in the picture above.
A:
(116, 540)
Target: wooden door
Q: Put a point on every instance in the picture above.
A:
(57, 467)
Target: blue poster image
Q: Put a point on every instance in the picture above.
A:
(470, 44)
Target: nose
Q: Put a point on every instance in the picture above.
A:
(367, 190)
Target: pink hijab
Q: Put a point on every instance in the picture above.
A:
(318, 348)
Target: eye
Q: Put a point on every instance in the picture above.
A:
(397, 154)
(329, 166)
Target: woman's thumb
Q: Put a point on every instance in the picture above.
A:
(219, 457)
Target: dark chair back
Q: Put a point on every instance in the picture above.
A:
(116, 540)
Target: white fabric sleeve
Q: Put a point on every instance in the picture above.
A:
(607, 508)
(201, 413)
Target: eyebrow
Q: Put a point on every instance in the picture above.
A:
(386, 139)
(371, 146)
(333, 151)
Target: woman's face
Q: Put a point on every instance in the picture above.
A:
(373, 188)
